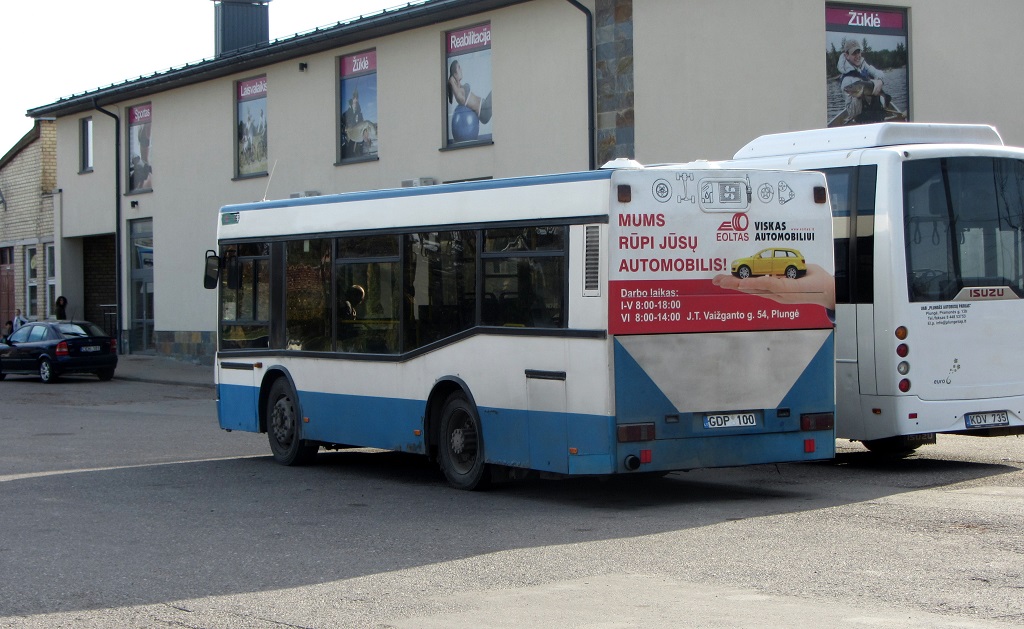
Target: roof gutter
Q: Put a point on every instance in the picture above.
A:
(117, 219)
(591, 99)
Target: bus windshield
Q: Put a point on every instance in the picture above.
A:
(963, 220)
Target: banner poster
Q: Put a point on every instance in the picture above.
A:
(358, 118)
(468, 85)
(140, 171)
(866, 64)
(720, 251)
(252, 126)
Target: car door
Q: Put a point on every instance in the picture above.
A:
(13, 357)
(761, 263)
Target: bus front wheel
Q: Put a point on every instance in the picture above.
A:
(461, 447)
(283, 427)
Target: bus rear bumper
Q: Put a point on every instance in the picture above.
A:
(666, 455)
(890, 416)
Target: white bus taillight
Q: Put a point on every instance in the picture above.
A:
(903, 350)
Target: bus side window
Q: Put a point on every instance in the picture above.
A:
(524, 277)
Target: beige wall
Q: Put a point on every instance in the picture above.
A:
(709, 75)
(539, 126)
(713, 74)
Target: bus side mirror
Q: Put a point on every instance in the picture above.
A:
(212, 273)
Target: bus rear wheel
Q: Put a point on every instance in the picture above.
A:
(891, 447)
(461, 445)
(283, 427)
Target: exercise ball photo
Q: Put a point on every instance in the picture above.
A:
(465, 124)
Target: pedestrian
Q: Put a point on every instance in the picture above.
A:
(18, 320)
(8, 328)
(61, 307)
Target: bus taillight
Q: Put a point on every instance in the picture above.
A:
(817, 421)
(635, 432)
(901, 333)
(904, 385)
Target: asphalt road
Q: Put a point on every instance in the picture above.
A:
(123, 505)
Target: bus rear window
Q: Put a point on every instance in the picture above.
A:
(963, 221)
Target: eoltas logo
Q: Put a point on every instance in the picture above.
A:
(734, 230)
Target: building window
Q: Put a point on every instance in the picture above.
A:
(468, 86)
(51, 279)
(866, 59)
(251, 121)
(140, 172)
(31, 282)
(85, 141)
(358, 119)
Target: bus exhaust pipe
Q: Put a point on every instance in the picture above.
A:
(632, 463)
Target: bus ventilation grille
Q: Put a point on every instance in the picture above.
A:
(592, 262)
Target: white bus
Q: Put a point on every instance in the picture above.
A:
(929, 228)
(575, 324)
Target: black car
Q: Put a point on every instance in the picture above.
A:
(52, 348)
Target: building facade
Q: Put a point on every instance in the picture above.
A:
(28, 196)
(455, 90)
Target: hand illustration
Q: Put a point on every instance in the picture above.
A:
(817, 286)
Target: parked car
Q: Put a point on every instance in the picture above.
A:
(773, 261)
(53, 348)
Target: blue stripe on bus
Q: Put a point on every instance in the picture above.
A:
(393, 193)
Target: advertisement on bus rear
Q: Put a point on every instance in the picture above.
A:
(719, 251)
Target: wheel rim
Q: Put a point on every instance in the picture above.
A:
(282, 421)
(463, 443)
(44, 371)
(791, 273)
(744, 272)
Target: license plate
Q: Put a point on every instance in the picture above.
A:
(730, 420)
(89, 348)
(983, 420)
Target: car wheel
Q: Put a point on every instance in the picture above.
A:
(791, 272)
(105, 374)
(46, 372)
(284, 429)
(461, 445)
(743, 272)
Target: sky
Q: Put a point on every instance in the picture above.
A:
(50, 49)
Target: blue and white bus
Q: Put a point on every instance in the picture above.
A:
(929, 251)
(575, 324)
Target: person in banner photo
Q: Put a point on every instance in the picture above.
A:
(862, 84)
(470, 106)
(463, 94)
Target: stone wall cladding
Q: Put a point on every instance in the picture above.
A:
(614, 78)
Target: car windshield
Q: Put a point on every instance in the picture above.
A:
(80, 329)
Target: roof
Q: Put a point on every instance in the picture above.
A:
(387, 22)
(20, 145)
(868, 136)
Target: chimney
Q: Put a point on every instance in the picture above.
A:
(240, 23)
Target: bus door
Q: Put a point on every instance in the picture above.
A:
(852, 192)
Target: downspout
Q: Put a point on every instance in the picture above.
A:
(117, 219)
(591, 101)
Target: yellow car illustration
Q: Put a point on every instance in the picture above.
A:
(773, 261)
